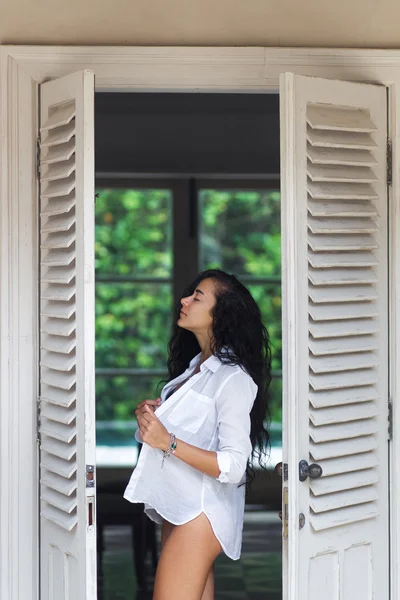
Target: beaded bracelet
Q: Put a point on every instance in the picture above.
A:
(171, 448)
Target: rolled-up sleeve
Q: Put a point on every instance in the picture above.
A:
(234, 403)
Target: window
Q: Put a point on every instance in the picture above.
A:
(152, 237)
(240, 233)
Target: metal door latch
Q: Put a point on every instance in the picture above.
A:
(90, 477)
(312, 471)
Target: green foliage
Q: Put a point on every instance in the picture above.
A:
(240, 232)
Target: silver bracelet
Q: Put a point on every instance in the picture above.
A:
(171, 448)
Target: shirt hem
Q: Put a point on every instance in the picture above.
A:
(175, 522)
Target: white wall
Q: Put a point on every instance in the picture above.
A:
(323, 23)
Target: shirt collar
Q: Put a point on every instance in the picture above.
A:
(212, 363)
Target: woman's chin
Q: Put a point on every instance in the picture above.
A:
(181, 323)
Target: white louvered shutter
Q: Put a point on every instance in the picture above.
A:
(67, 394)
(335, 322)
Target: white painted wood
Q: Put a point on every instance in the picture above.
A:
(335, 449)
(140, 69)
(336, 401)
(342, 499)
(338, 156)
(67, 339)
(340, 140)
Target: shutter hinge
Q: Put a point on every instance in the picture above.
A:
(38, 422)
(38, 158)
(390, 419)
(389, 162)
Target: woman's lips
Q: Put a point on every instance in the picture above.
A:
(182, 313)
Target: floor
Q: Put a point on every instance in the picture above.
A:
(256, 576)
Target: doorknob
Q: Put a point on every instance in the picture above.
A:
(312, 471)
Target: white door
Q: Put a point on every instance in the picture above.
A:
(67, 394)
(335, 297)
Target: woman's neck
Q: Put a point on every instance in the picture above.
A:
(205, 347)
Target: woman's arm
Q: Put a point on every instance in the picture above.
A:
(154, 434)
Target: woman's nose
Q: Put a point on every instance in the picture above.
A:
(184, 301)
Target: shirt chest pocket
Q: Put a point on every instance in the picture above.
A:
(192, 412)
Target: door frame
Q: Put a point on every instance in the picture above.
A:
(141, 69)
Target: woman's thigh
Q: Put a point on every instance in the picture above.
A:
(166, 529)
(187, 556)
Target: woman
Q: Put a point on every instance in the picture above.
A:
(199, 436)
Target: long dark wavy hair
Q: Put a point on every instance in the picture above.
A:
(239, 338)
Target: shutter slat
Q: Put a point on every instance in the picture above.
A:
(341, 294)
(60, 518)
(64, 503)
(346, 328)
(59, 170)
(57, 448)
(58, 292)
(56, 154)
(60, 117)
(58, 431)
(59, 484)
(321, 208)
(338, 243)
(334, 449)
(344, 396)
(340, 174)
(345, 226)
(55, 343)
(57, 379)
(343, 362)
(344, 516)
(58, 413)
(59, 223)
(333, 381)
(362, 495)
(340, 139)
(334, 118)
(59, 275)
(342, 310)
(61, 327)
(340, 156)
(58, 136)
(59, 309)
(58, 206)
(58, 362)
(343, 414)
(361, 343)
(342, 276)
(341, 191)
(346, 481)
(61, 467)
(59, 258)
(57, 240)
(345, 431)
(348, 464)
(56, 189)
(58, 396)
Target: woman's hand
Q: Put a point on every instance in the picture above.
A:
(152, 431)
(153, 404)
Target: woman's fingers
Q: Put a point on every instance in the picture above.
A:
(154, 403)
(147, 415)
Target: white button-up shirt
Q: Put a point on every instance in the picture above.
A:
(211, 410)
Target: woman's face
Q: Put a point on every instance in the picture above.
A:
(196, 309)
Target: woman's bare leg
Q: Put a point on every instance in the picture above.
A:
(208, 593)
(166, 529)
(186, 561)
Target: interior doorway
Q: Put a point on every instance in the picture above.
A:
(182, 185)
